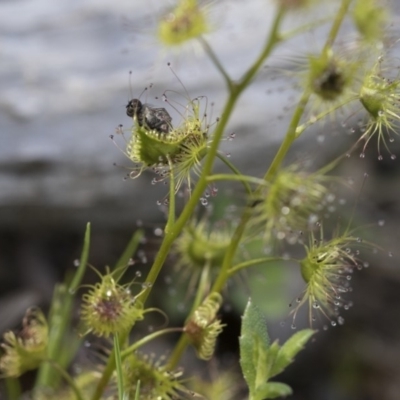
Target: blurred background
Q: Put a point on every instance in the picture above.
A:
(64, 85)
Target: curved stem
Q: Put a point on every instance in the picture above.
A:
(66, 377)
(234, 169)
(148, 339)
(238, 178)
(337, 23)
(289, 138)
(291, 133)
(252, 263)
(216, 62)
(273, 39)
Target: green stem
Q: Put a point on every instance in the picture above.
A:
(171, 205)
(272, 40)
(107, 372)
(118, 359)
(234, 169)
(137, 393)
(289, 138)
(301, 128)
(235, 92)
(60, 316)
(13, 388)
(148, 339)
(238, 178)
(337, 23)
(286, 144)
(217, 63)
(252, 263)
(305, 28)
(66, 377)
(291, 133)
(123, 262)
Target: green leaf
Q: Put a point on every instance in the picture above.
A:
(271, 360)
(290, 349)
(272, 390)
(118, 364)
(254, 344)
(123, 263)
(60, 319)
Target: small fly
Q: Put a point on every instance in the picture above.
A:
(149, 117)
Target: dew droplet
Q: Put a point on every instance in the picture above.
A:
(293, 326)
(380, 158)
(76, 263)
(158, 232)
(285, 210)
(381, 222)
(390, 254)
(393, 156)
(340, 320)
(362, 155)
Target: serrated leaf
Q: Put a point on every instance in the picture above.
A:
(272, 390)
(290, 349)
(254, 344)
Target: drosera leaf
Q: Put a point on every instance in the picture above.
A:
(137, 393)
(254, 345)
(272, 390)
(290, 349)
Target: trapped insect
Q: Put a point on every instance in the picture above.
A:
(149, 117)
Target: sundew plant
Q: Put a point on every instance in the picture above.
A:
(283, 206)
